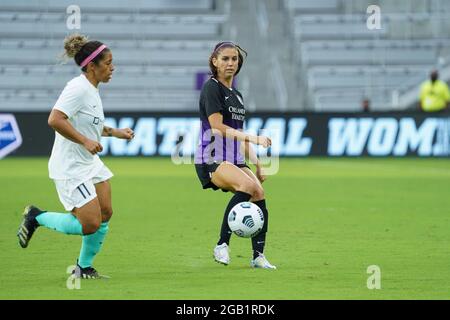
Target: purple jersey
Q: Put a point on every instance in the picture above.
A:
(215, 97)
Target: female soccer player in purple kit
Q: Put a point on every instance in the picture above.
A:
(223, 148)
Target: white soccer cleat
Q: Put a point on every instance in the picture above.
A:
(221, 254)
(261, 262)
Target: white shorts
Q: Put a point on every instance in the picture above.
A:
(75, 193)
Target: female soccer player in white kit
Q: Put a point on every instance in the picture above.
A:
(81, 178)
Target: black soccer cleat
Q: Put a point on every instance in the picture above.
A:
(87, 273)
(29, 225)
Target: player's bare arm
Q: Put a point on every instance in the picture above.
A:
(58, 120)
(250, 155)
(125, 133)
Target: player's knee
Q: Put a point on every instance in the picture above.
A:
(91, 226)
(247, 187)
(252, 189)
(258, 194)
(107, 213)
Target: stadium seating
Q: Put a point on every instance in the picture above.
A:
(334, 27)
(340, 61)
(350, 99)
(124, 79)
(314, 6)
(343, 88)
(380, 52)
(113, 100)
(158, 48)
(161, 46)
(118, 26)
(121, 56)
(349, 77)
(110, 5)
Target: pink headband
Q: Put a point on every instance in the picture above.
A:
(92, 56)
(226, 43)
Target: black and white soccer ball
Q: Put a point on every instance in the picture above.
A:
(246, 219)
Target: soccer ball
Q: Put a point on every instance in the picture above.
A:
(246, 219)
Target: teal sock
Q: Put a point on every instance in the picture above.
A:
(62, 222)
(91, 245)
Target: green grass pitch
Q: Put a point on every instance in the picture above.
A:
(330, 219)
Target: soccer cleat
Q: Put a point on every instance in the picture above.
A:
(29, 225)
(87, 273)
(221, 254)
(261, 262)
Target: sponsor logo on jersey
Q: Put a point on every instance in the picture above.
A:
(240, 99)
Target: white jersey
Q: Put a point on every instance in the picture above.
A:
(81, 102)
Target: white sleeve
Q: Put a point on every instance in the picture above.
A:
(70, 100)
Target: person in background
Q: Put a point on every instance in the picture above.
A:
(434, 94)
(365, 104)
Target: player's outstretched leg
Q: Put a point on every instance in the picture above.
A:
(221, 251)
(29, 225)
(34, 217)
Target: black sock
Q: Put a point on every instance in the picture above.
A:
(225, 232)
(259, 240)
